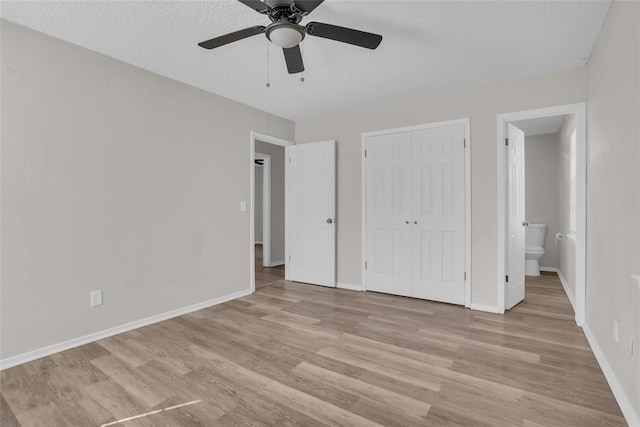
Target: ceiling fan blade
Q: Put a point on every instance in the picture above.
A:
(307, 6)
(345, 35)
(232, 37)
(256, 5)
(293, 57)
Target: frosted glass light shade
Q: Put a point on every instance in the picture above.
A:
(285, 37)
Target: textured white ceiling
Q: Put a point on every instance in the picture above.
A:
(428, 47)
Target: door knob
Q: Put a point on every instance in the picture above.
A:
(407, 222)
(525, 224)
(329, 221)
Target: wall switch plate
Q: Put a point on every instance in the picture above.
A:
(96, 298)
(243, 206)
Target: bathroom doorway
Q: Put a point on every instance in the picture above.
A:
(541, 198)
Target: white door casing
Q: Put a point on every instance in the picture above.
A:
(438, 214)
(310, 199)
(388, 186)
(515, 245)
(416, 212)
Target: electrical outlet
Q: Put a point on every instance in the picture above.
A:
(96, 298)
(615, 330)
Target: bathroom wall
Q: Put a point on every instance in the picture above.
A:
(541, 189)
(567, 252)
(257, 200)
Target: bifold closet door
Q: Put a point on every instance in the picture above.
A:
(416, 213)
(388, 231)
(439, 223)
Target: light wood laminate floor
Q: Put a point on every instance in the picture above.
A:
(266, 275)
(295, 354)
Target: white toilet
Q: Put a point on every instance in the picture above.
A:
(533, 248)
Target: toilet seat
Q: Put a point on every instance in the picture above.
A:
(534, 249)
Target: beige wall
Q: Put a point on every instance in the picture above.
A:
(481, 105)
(113, 179)
(613, 198)
(541, 190)
(567, 251)
(277, 198)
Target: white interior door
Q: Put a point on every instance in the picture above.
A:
(438, 214)
(310, 214)
(514, 286)
(388, 193)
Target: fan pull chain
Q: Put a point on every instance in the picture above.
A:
(301, 53)
(268, 49)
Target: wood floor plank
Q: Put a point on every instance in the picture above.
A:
(392, 399)
(402, 373)
(131, 380)
(301, 355)
(315, 408)
(7, 417)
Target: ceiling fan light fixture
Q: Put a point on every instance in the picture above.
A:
(285, 35)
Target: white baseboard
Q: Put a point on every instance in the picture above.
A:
(487, 308)
(276, 263)
(633, 418)
(550, 269)
(567, 290)
(19, 359)
(348, 286)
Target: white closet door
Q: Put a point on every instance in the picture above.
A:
(388, 232)
(438, 218)
(310, 211)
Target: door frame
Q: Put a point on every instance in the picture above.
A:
(466, 122)
(256, 136)
(266, 207)
(580, 111)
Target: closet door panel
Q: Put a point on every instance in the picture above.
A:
(388, 231)
(438, 214)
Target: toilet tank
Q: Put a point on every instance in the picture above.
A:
(534, 235)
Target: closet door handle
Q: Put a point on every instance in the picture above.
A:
(406, 222)
(415, 222)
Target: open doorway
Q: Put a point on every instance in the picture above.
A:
(542, 212)
(262, 207)
(267, 229)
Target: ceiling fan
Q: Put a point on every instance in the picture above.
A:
(285, 31)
